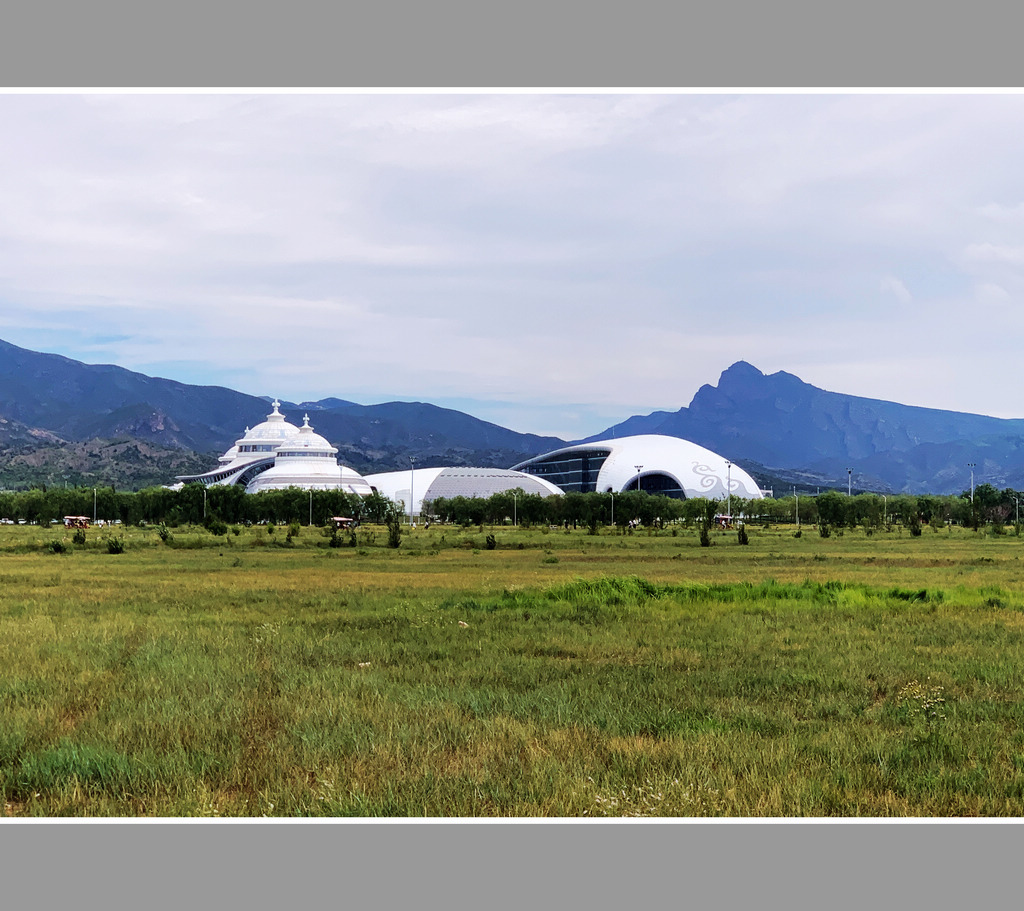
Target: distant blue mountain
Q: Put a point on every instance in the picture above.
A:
(47, 398)
(783, 430)
(782, 423)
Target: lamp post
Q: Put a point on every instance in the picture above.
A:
(849, 482)
(638, 467)
(972, 466)
(412, 485)
(728, 490)
(204, 503)
(94, 506)
(885, 507)
(310, 507)
(612, 492)
(515, 516)
(795, 494)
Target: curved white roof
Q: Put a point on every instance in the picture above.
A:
(417, 485)
(307, 460)
(259, 442)
(274, 429)
(296, 456)
(305, 444)
(698, 471)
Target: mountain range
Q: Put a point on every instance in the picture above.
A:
(62, 421)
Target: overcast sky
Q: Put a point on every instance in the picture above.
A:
(551, 262)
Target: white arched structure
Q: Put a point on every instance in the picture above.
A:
(275, 454)
(308, 461)
(655, 463)
(416, 485)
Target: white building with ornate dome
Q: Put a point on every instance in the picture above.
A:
(276, 454)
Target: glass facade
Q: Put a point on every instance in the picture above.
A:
(572, 471)
(662, 484)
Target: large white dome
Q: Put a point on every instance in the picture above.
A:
(653, 462)
(307, 460)
(268, 435)
(415, 486)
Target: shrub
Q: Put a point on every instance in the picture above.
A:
(705, 535)
(491, 542)
(115, 545)
(164, 534)
(56, 546)
(825, 530)
(216, 526)
(79, 536)
(742, 535)
(394, 531)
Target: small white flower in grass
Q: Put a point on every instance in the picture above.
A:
(364, 663)
(463, 624)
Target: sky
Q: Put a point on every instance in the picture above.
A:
(554, 262)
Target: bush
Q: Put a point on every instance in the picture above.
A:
(491, 542)
(394, 531)
(115, 545)
(56, 546)
(742, 535)
(79, 536)
(825, 530)
(705, 535)
(216, 526)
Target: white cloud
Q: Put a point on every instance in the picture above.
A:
(890, 285)
(619, 250)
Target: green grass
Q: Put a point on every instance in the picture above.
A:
(242, 675)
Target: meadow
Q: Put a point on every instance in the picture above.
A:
(557, 673)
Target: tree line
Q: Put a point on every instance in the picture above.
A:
(196, 504)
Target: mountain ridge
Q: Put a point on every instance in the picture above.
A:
(782, 422)
(63, 420)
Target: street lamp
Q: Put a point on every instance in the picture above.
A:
(795, 494)
(638, 467)
(849, 482)
(412, 485)
(728, 490)
(972, 466)
(612, 492)
(885, 507)
(310, 507)
(515, 517)
(94, 506)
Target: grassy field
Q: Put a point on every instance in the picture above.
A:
(558, 674)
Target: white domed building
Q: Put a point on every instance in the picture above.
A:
(308, 461)
(415, 486)
(276, 454)
(658, 464)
